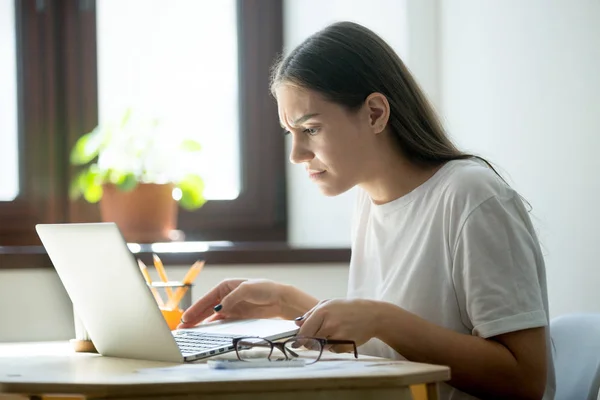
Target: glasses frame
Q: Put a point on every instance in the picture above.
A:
(281, 346)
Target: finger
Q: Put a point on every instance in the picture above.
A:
(311, 324)
(300, 320)
(211, 318)
(203, 308)
(239, 312)
(243, 293)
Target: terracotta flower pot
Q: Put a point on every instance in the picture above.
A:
(145, 214)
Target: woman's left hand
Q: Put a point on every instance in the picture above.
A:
(341, 319)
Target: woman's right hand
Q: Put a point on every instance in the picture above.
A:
(248, 298)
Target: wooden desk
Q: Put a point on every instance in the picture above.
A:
(53, 369)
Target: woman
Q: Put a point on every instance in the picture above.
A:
(446, 267)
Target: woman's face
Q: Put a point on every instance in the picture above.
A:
(331, 142)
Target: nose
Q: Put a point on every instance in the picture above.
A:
(300, 153)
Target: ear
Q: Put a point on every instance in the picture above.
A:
(379, 111)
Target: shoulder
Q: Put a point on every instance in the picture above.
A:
(466, 184)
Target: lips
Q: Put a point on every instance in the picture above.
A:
(315, 173)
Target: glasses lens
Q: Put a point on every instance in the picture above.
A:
(303, 348)
(253, 349)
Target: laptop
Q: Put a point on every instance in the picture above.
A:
(112, 299)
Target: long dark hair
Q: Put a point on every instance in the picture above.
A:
(346, 62)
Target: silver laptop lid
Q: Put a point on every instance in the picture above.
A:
(108, 291)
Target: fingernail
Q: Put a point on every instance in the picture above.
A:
(299, 318)
(218, 307)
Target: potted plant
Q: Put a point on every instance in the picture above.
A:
(137, 172)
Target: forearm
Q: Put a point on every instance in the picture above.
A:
(478, 366)
(295, 302)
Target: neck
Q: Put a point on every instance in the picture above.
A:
(391, 175)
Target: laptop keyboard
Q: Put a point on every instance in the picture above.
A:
(191, 342)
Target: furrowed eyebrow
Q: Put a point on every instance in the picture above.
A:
(300, 120)
(304, 118)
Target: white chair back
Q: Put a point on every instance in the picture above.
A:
(576, 350)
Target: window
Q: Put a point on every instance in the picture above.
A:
(68, 55)
(155, 57)
(9, 178)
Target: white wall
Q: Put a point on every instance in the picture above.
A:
(34, 306)
(520, 84)
(316, 219)
(422, 56)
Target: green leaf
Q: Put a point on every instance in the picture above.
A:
(190, 145)
(86, 148)
(115, 177)
(93, 193)
(129, 182)
(91, 185)
(192, 192)
(124, 180)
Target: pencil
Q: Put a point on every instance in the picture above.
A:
(193, 272)
(187, 280)
(163, 275)
(155, 293)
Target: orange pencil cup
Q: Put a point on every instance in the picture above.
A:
(176, 298)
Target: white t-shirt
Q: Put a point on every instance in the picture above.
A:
(459, 251)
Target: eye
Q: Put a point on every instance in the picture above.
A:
(285, 132)
(311, 131)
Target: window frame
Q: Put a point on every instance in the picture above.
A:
(41, 186)
(58, 102)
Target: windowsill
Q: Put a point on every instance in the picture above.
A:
(186, 253)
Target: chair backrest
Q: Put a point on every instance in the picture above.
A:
(576, 351)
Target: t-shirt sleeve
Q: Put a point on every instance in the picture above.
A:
(498, 269)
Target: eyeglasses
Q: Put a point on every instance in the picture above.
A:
(259, 349)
